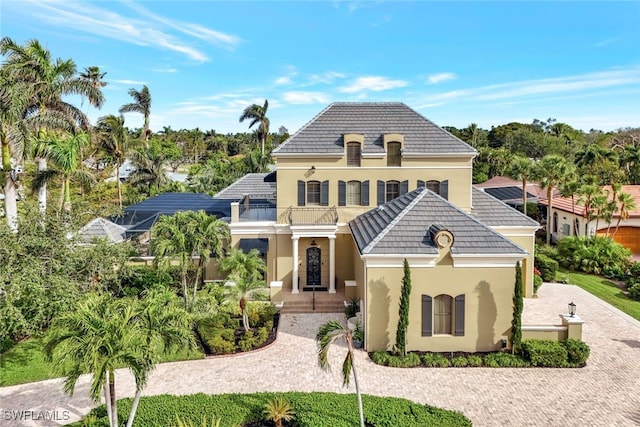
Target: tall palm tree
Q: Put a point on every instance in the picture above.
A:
(64, 151)
(246, 270)
(521, 169)
(149, 173)
(95, 76)
(570, 188)
(113, 139)
(587, 193)
(258, 115)
(142, 105)
(329, 333)
(626, 203)
(551, 170)
(50, 80)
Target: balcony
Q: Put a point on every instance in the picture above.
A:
(309, 216)
(253, 213)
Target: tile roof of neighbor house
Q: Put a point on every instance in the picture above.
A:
(505, 181)
(323, 134)
(401, 226)
(495, 213)
(101, 228)
(565, 204)
(257, 185)
(510, 194)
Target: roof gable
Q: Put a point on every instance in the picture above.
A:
(324, 133)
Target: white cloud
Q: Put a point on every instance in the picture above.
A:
(440, 77)
(129, 82)
(165, 70)
(328, 77)
(283, 80)
(372, 83)
(305, 98)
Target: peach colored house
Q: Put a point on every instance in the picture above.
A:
(360, 188)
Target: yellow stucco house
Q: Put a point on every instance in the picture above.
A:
(360, 188)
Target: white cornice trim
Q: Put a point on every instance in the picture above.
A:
(391, 261)
(440, 155)
(486, 260)
(242, 228)
(373, 155)
(313, 230)
(353, 168)
(308, 155)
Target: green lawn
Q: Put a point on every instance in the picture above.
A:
(603, 289)
(25, 362)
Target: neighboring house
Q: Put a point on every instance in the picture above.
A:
(101, 228)
(509, 190)
(363, 186)
(569, 218)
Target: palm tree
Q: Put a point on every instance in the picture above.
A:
(142, 105)
(626, 204)
(113, 138)
(93, 75)
(50, 80)
(328, 333)
(258, 115)
(149, 170)
(521, 169)
(246, 270)
(551, 170)
(64, 151)
(569, 189)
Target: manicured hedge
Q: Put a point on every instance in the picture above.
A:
(547, 266)
(312, 410)
(545, 353)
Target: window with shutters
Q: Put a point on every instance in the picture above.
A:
(433, 186)
(393, 190)
(394, 154)
(353, 154)
(354, 193)
(313, 193)
(442, 314)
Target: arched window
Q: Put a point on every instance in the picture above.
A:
(555, 222)
(313, 193)
(353, 154)
(394, 156)
(433, 186)
(354, 193)
(442, 314)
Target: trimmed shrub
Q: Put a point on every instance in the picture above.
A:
(459, 361)
(594, 255)
(546, 353)
(474, 360)
(548, 267)
(634, 292)
(411, 360)
(537, 282)
(504, 360)
(380, 357)
(435, 360)
(577, 351)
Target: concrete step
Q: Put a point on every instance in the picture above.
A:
(297, 307)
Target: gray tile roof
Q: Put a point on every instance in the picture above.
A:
(256, 185)
(101, 228)
(495, 213)
(323, 134)
(402, 227)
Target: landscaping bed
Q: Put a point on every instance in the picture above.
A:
(310, 410)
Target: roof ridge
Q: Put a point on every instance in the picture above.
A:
(275, 150)
(393, 222)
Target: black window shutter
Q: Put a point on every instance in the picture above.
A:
(427, 316)
(324, 193)
(444, 189)
(364, 193)
(421, 184)
(342, 193)
(404, 187)
(381, 192)
(302, 193)
(459, 323)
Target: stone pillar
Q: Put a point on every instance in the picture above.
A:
(235, 212)
(574, 326)
(332, 264)
(294, 285)
(275, 292)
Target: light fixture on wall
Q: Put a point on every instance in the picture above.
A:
(572, 309)
(313, 242)
(313, 168)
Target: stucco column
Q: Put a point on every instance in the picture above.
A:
(332, 264)
(294, 285)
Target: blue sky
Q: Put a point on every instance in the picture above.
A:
(454, 62)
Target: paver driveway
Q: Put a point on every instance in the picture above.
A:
(605, 393)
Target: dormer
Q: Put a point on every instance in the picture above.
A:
(393, 143)
(353, 143)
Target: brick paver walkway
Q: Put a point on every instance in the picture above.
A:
(604, 393)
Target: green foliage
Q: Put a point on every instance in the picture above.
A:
(312, 410)
(403, 311)
(597, 255)
(140, 278)
(459, 361)
(634, 292)
(577, 351)
(504, 360)
(547, 266)
(435, 360)
(537, 282)
(352, 308)
(633, 278)
(547, 353)
(411, 360)
(474, 360)
(279, 410)
(215, 422)
(518, 305)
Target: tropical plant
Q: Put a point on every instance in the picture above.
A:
(521, 169)
(516, 322)
(328, 334)
(403, 311)
(149, 174)
(245, 270)
(258, 115)
(95, 76)
(142, 105)
(551, 170)
(113, 140)
(626, 203)
(279, 410)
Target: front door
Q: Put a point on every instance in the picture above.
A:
(313, 266)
